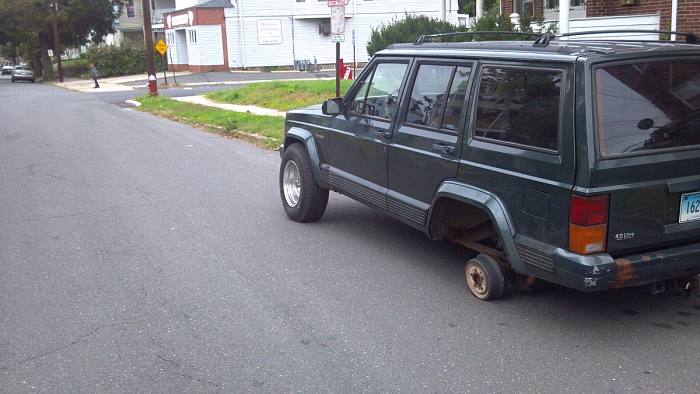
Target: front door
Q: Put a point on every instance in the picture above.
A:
(359, 144)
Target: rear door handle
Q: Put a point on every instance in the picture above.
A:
(444, 148)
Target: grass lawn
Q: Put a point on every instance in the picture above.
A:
(264, 131)
(281, 95)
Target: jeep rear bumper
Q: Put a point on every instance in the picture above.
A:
(602, 272)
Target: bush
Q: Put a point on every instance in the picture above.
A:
(74, 67)
(114, 61)
(494, 20)
(406, 30)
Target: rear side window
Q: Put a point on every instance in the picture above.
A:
(379, 91)
(438, 96)
(646, 107)
(520, 106)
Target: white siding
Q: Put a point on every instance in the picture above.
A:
(182, 4)
(211, 46)
(171, 40)
(235, 50)
(193, 51)
(300, 29)
(177, 51)
(636, 22)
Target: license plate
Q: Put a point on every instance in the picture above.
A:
(690, 207)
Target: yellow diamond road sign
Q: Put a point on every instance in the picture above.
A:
(161, 47)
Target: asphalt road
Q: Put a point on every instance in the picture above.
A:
(141, 255)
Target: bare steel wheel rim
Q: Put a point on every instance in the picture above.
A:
(477, 280)
(291, 183)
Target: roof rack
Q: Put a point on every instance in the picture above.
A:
(690, 38)
(543, 40)
(420, 40)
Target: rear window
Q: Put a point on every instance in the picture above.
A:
(647, 107)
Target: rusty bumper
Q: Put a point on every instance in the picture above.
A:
(603, 272)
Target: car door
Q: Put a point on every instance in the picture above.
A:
(522, 147)
(426, 145)
(358, 145)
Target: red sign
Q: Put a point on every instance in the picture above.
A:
(337, 3)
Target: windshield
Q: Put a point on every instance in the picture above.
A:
(646, 107)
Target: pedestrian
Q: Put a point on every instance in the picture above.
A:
(95, 74)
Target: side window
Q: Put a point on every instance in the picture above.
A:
(432, 104)
(379, 91)
(428, 95)
(456, 98)
(519, 106)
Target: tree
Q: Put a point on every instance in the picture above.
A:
(406, 30)
(27, 25)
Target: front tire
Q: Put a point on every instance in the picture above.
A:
(302, 198)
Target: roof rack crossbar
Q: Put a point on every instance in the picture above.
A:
(690, 37)
(424, 37)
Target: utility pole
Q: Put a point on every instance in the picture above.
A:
(150, 53)
(56, 42)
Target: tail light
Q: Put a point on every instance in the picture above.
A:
(588, 224)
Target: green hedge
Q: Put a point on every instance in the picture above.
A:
(74, 67)
(114, 61)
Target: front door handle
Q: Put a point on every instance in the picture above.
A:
(444, 148)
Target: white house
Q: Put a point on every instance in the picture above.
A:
(229, 34)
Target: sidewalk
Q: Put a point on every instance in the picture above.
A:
(186, 78)
(201, 100)
(116, 84)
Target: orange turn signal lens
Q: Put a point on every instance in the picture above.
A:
(587, 240)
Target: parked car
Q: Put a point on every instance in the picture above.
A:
(7, 70)
(23, 73)
(572, 161)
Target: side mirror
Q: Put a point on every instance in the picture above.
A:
(332, 106)
(645, 124)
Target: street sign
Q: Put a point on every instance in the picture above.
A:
(161, 47)
(338, 20)
(337, 38)
(337, 3)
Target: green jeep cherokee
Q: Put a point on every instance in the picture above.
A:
(569, 160)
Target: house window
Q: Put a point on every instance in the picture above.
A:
(192, 36)
(170, 38)
(554, 4)
(130, 13)
(525, 7)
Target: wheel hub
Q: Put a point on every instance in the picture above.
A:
(291, 183)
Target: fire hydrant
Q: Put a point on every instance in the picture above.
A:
(152, 85)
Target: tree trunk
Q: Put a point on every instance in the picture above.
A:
(38, 68)
(46, 63)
